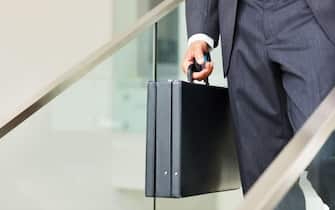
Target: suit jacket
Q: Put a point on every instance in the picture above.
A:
(218, 17)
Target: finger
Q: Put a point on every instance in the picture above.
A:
(199, 55)
(189, 55)
(188, 60)
(185, 65)
(205, 72)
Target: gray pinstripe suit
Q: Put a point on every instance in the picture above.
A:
(280, 55)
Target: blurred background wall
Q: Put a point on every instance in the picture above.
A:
(40, 39)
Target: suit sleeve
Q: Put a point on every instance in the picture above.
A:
(202, 18)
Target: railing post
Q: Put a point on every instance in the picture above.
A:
(154, 66)
(154, 50)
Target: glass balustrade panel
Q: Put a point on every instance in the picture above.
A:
(315, 189)
(125, 13)
(85, 150)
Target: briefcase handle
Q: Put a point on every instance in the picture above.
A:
(196, 67)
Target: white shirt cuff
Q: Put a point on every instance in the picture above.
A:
(201, 37)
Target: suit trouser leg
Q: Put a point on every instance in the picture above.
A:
(307, 59)
(258, 102)
(281, 69)
(257, 96)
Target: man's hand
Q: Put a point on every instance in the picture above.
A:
(196, 50)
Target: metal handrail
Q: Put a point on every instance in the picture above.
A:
(293, 160)
(92, 60)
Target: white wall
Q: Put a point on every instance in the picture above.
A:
(40, 39)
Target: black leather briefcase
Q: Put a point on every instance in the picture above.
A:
(190, 140)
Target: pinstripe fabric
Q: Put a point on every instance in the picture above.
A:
(282, 67)
(217, 17)
(281, 56)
